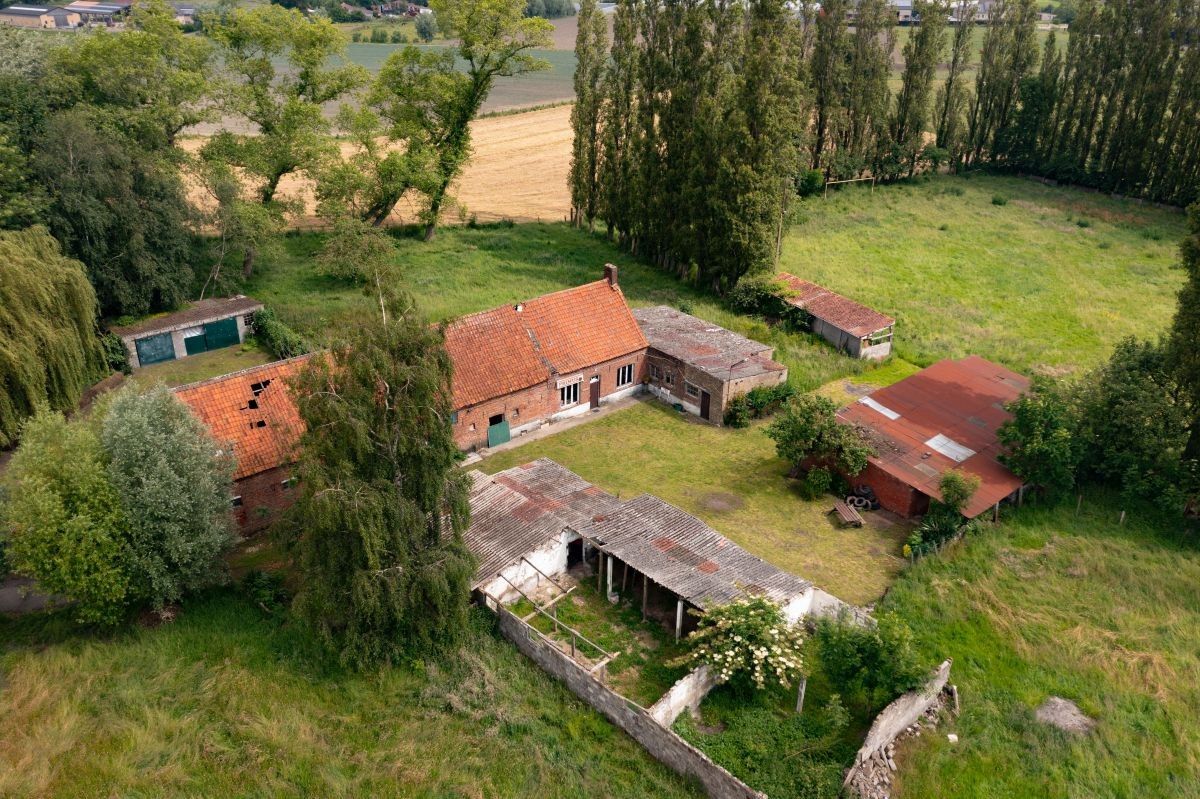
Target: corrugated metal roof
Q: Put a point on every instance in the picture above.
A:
(519, 510)
(686, 556)
(701, 344)
(829, 306)
(196, 313)
(947, 418)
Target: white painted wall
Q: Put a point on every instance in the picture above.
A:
(550, 559)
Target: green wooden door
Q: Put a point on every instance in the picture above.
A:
(498, 434)
(221, 334)
(194, 345)
(155, 349)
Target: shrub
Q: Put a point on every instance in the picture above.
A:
(399, 37)
(1041, 439)
(115, 354)
(1082, 223)
(379, 36)
(875, 663)
(818, 482)
(765, 400)
(265, 589)
(998, 199)
(427, 27)
(737, 411)
(957, 488)
(278, 337)
(746, 642)
(356, 36)
(808, 429)
(810, 183)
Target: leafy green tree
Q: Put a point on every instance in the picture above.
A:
(359, 252)
(619, 125)
(748, 643)
(808, 432)
(118, 208)
(63, 519)
(427, 27)
(49, 352)
(827, 73)
(494, 40)
(922, 54)
(283, 105)
(1185, 329)
(1039, 440)
(951, 100)
(378, 526)
(957, 488)
(591, 44)
(22, 201)
(876, 662)
(866, 97)
(241, 226)
(1009, 56)
(175, 485)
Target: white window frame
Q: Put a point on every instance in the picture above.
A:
(625, 375)
(691, 390)
(569, 391)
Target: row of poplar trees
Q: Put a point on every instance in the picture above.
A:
(698, 124)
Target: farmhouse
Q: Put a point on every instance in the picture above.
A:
(944, 417)
(23, 16)
(853, 328)
(531, 523)
(518, 366)
(204, 325)
(700, 366)
(253, 413)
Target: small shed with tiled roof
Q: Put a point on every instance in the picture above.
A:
(854, 328)
(202, 326)
(254, 414)
(519, 366)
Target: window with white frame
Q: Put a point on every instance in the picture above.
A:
(625, 375)
(568, 395)
(690, 390)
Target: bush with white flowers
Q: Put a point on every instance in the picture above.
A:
(747, 641)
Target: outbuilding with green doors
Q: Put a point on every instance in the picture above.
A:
(204, 325)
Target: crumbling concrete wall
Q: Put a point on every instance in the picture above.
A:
(686, 694)
(870, 774)
(661, 742)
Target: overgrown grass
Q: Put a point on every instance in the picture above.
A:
(1049, 603)
(1021, 283)
(227, 702)
(732, 480)
(203, 366)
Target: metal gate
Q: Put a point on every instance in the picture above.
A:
(155, 349)
(221, 334)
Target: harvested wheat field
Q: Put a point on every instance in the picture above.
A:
(518, 171)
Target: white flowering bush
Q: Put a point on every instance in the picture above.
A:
(747, 641)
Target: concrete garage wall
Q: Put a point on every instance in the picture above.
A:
(551, 559)
(666, 747)
(686, 694)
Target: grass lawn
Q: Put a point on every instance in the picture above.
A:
(1050, 280)
(733, 481)
(182, 371)
(226, 701)
(1047, 604)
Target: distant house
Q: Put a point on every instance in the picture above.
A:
(531, 523)
(252, 412)
(97, 12)
(944, 417)
(46, 17)
(559, 355)
(202, 326)
(701, 366)
(185, 13)
(853, 328)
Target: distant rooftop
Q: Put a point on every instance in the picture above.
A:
(703, 345)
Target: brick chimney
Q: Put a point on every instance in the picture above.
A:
(610, 274)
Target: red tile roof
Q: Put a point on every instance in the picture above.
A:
(831, 307)
(961, 401)
(253, 411)
(504, 350)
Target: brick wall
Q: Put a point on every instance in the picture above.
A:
(540, 402)
(720, 390)
(263, 497)
(893, 494)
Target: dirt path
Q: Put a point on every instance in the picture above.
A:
(518, 171)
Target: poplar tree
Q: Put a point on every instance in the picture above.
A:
(619, 124)
(1185, 328)
(827, 75)
(952, 97)
(866, 97)
(378, 526)
(922, 53)
(1009, 55)
(591, 44)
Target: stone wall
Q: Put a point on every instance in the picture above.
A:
(661, 742)
(896, 719)
(686, 694)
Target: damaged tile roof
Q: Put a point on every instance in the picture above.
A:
(686, 556)
(517, 511)
(829, 306)
(943, 417)
(197, 313)
(253, 411)
(509, 348)
(703, 345)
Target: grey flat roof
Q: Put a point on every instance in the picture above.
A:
(686, 556)
(517, 511)
(195, 314)
(710, 348)
(25, 11)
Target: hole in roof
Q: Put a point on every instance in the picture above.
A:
(259, 423)
(259, 388)
(252, 405)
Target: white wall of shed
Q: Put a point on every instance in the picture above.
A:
(550, 558)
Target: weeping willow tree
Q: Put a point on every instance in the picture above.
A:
(378, 526)
(48, 347)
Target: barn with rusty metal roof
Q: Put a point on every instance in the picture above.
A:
(850, 326)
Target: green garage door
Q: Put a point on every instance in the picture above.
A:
(194, 345)
(155, 349)
(221, 334)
